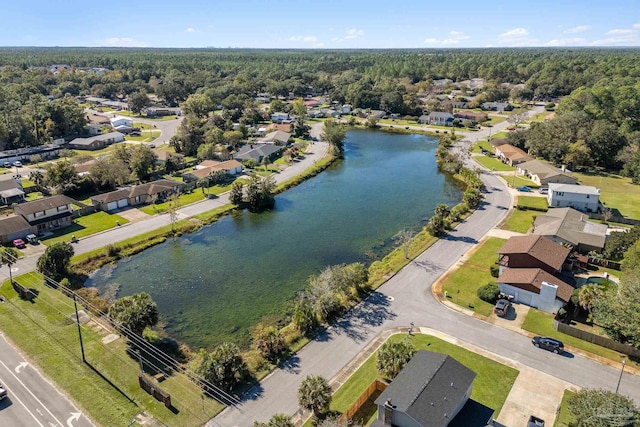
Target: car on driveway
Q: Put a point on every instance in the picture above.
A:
(550, 344)
(535, 422)
(19, 243)
(502, 307)
(543, 190)
(3, 392)
(524, 189)
(17, 164)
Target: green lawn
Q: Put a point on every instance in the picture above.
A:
(492, 163)
(533, 202)
(187, 198)
(35, 195)
(26, 183)
(494, 120)
(520, 181)
(520, 220)
(564, 418)
(483, 144)
(616, 193)
(541, 323)
(500, 135)
(85, 226)
(490, 387)
(462, 285)
(145, 136)
(106, 388)
(130, 114)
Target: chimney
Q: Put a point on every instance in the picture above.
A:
(563, 168)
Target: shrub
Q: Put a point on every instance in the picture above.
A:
(489, 293)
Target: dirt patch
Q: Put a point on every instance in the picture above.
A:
(133, 215)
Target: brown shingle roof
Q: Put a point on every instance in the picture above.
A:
(149, 188)
(13, 224)
(534, 278)
(539, 247)
(44, 204)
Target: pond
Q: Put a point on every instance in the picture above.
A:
(212, 285)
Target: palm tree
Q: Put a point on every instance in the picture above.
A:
(587, 296)
(314, 394)
(9, 256)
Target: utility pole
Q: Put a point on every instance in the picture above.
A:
(624, 362)
(75, 305)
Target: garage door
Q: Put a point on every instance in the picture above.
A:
(112, 205)
(122, 203)
(524, 298)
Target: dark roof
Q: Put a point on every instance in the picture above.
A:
(572, 226)
(149, 188)
(539, 247)
(256, 151)
(429, 388)
(8, 184)
(534, 278)
(13, 224)
(44, 204)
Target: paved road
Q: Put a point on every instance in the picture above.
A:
(407, 298)
(32, 400)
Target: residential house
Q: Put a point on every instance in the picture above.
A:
(376, 114)
(277, 137)
(56, 68)
(117, 105)
(136, 195)
(311, 103)
(258, 152)
(99, 120)
(93, 129)
(511, 155)
(48, 213)
(94, 100)
(580, 197)
(473, 116)
(423, 119)
(280, 117)
(569, 227)
(461, 105)
(533, 251)
(440, 118)
(441, 83)
(11, 192)
(163, 111)
(83, 169)
(544, 173)
(121, 122)
(535, 287)
(428, 392)
(14, 227)
(206, 168)
(496, 106)
(96, 142)
(30, 154)
(345, 109)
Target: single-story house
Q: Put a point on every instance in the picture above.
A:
(568, 226)
(118, 121)
(440, 118)
(535, 287)
(206, 168)
(277, 137)
(83, 169)
(470, 115)
(118, 105)
(30, 154)
(496, 106)
(258, 152)
(136, 195)
(376, 114)
(49, 212)
(428, 392)
(14, 227)
(580, 197)
(280, 117)
(93, 129)
(96, 142)
(11, 192)
(532, 251)
(94, 100)
(97, 119)
(511, 155)
(544, 173)
(311, 103)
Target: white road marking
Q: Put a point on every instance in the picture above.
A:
(20, 366)
(39, 412)
(13, 396)
(31, 393)
(75, 416)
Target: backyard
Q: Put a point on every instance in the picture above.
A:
(492, 163)
(490, 387)
(461, 286)
(85, 226)
(616, 193)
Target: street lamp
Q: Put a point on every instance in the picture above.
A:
(624, 362)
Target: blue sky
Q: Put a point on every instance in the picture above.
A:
(320, 23)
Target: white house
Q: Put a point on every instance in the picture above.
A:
(440, 118)
(535, 287)
(580, 197)
(118, 121)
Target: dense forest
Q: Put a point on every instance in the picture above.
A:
(597, 125)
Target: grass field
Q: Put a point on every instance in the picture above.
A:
(564, 418)
(533, 202)
(130, 114)
(106, 387)
(541, 323)
(85, 226)
(483, 145)
(616, 193)
(462, 285)
(490, 387)
(519, 181)
(492, 163)
(520, 220)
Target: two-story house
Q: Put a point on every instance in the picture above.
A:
(47, 213)
(581, 197)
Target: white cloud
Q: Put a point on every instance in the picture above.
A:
(573, 41)
(621, 37)
(123, 42)
(455, 37)
(190, 30)
(578, 29)
(431, 40)
(621, 32)
(516, 32)
(313, 40)
(636, 26)
(351, 34)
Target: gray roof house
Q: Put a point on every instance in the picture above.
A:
(258, 152)
(429, 391)
(544, 173)
(96, 142)
(14, 227)
(440, 118)
(277, 137)
(566, 225)
(11, 192)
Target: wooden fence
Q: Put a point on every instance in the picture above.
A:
(596, 339)
(604, 263)
(376, 385)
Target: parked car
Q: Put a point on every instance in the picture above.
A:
(502, 307)
(524, 189)
(535, 422)
(17, 164)
(550, 344)
(3, 392)
(135, 133)
(151, 145)
(7, 164)
(32, 238)
(19, 243)
(543, 190)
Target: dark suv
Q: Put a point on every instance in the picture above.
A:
(550, 344)
(502, 307)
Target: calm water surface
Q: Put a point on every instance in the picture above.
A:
(212, 285)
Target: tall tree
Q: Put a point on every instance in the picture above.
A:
(138, 101)
(601, 408)
(334, 134)
(142, 162)
(314, 394)
(135, 313)
(8, 257)
(223, 367)
(393, 356)
(54, 263)
(60, 176)
(198, 104)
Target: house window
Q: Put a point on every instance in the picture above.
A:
(39, 214)
(62, 208)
